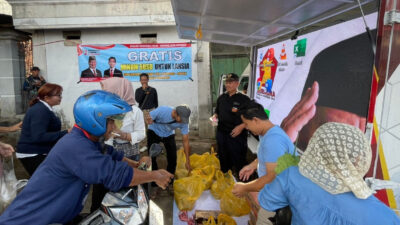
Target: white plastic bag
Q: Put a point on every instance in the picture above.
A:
(9, 185)
(377, 184)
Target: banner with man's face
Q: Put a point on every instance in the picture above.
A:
(336, 63)
(169, 61)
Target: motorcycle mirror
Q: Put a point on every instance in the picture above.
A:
(155, 150)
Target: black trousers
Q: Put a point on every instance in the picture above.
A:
(232, 151)
(170, 146)
(32, 163)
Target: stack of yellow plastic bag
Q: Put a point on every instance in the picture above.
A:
(189, 187)
(206, 174)
(196, 162)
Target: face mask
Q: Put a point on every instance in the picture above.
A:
(118, 124)
(118, 120)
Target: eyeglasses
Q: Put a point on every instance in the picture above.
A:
(60, 95)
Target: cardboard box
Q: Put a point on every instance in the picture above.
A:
(201, 216)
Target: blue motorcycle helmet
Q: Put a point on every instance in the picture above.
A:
(92, 109)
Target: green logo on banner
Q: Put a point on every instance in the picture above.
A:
(300, 47)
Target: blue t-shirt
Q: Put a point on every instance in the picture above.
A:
(312, 205)
(163, 123)
(273, 145)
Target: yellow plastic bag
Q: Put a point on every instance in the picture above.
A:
(213, 160)
(224, 219)
(210, 221)
(196, 161)
(200, 161)
(181, 170)
(234, 206)
(222, 183)
(206, 174)
(186, 191)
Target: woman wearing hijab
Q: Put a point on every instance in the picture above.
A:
(127, 136)
(327, 186)
(132, 131)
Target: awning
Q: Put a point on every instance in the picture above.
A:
(251, 22)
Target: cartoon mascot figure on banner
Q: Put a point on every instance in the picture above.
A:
(268, 67)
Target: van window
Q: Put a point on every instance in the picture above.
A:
(244, 82)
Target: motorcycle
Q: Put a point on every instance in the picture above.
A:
(128, 206)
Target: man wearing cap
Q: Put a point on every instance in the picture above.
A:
(231, 135)
(33, 83)
(162, 124)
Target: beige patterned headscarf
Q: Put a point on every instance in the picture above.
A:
(121, 87)
(337, 158)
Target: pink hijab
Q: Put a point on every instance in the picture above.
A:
(121, 87)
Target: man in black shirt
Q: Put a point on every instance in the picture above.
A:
(146, 96)
(231, 133)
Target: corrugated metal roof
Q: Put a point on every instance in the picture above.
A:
(251, 22)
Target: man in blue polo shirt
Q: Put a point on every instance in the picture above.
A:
(57, 190)
(274, 143)
(162, 124)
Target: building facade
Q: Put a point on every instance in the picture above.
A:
(57, 26)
